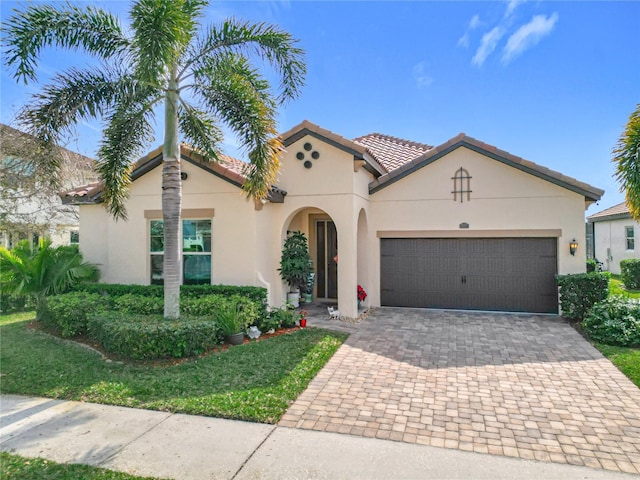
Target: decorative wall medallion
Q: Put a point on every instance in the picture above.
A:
(461, 185)
(301, 156)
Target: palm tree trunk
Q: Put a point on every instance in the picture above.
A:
(171, 202)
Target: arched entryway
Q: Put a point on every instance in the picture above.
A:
(322, 235)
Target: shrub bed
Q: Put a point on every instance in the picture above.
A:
(578, 293)
(630, 273)
(615, 321)
(146, 337)
(68, 312)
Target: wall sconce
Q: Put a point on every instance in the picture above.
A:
(573, 246)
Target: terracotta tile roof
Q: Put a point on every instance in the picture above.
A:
(392, 152)
(461, 140)
(621, 211)
(229, 168)
(358, 150)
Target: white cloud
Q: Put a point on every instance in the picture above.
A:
(422, 79)
(487, 45)
(474, 23)
(511, 7)
(528, 35)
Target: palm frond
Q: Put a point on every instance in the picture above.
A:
(275, 46)
(627, 160)
(162, 32)
(200, 130)
(129, 130)
(79, 28)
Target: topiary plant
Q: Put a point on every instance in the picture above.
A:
(295, 263)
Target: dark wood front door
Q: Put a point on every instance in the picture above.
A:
(506, 274)
(326, 266)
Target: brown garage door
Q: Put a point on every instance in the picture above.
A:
(505, 274)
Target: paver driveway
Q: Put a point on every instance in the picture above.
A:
(517, 385)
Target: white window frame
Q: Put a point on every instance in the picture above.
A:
(629, 238)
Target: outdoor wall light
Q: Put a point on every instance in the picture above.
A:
(573, 246)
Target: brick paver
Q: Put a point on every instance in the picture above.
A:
(515, 385)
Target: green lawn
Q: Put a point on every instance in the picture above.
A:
(616, 287)
(16, 467)
(626, 359)
(255, 382)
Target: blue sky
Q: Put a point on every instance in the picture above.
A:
(553, 82)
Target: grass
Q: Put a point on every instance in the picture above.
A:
(17, 467)
(255, 382)
(626, 359)
(616, 287)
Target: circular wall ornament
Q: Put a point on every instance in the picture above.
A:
(315, 155)
(300, 156)
(307, 146)
(308, 164)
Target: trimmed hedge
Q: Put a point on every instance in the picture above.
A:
(630, 273)
(257, 294)
(578, 293)
(68, 312)
(592, 265)
(615, 321)
(146, 337)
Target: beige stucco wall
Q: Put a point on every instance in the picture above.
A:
(504, 202)
(247, 241)
(611, 245)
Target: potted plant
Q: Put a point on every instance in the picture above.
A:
(308, 289)
(302, 318)
(295, 265)
(230, 322)
(361, 295)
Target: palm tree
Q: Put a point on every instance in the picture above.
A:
(43, 271)
(204, 78)
(627, 159)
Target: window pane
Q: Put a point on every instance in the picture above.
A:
(197, 269)
(157, 271)
(74, 236)
(157, 244)
(196, 235)
(157, 227)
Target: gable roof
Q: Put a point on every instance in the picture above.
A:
(461, 140)
(620, 210)
(359, 151)
(228, 168)
(392, 152)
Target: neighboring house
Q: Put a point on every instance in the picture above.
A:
(615, 236)
(30, 207)
(462, 225)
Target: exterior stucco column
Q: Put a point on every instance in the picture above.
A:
(348, 268)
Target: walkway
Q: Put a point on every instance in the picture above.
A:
(520, 386)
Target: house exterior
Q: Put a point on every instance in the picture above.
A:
(615, 236)
(461, 225)
(29, 208)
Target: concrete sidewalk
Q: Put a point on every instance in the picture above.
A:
(166, 445)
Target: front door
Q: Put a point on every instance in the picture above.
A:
(326, 259)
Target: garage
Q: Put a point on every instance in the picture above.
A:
(502, 274)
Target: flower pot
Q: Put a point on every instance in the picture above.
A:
(294, 299)
(303, 322)
(308, 298)
(235, 339)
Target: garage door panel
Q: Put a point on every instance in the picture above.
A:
(510, 274)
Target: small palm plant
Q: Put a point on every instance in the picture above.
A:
(229, 320)
(43, 271)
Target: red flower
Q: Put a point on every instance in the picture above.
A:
(361, 294)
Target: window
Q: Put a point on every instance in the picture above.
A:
(74, 237)
(630, 238)
(196, 251)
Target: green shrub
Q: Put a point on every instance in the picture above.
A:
(229, 320)
(615, 321)
(139, 304)
(151, 336)
(68, 312)
(16, 303)
(117, 290)
(578, 293)
(630, 273)
(592, 265)
(270, 321)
